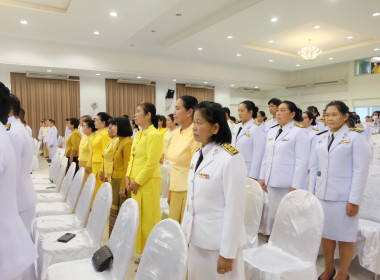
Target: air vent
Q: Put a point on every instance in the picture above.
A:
(248, 89)
(318, 84)
(135, 82)
(199, 86)
(43, 75)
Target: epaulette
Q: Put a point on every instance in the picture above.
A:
(356, 129)
(321, 132)
(8, 126)
(275, 125)
(359, 125)
(268, 119)
(320, 120)
(299, 125)
(230, 149)
(256, 123)
(374, 133)
(316, 129)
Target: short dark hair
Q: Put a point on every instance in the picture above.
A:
(163, 119)
(275, 101)
(52, 121)
(171, 116)
(213, 113)
(293, 108)
(150, 108)
(233, 118)
(5, 103)
(22, 114)
(91, 124)
(124, 128)
(311, 116)
(189, 102)
(74, 122)
(15, 105)
(251, 107)
(86, 117)
(313, 109)
(262, 113)
(104, 117)
(227, 111)
(340, 105)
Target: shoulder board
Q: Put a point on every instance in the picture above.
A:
(374, 133)
(316, 129)
(360, 125)
(320, 120)
(321, 132)
(299, 125)
(268, 119)
(230, 149)
(256, 123)
(356, 129)
(8, 126)
(275, 125)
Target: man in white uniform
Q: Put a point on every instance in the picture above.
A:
(52, 140)
(273, 105)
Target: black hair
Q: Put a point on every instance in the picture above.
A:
(351, 120)
(275, 101)
(52, 121)
(15, 105)
(340, 105)
(213, 113)
(104, 117)
(262, 113)
(91, 124)
(378, 113)
(311, 116)
(293, 108)
(227, 111)
(313, 109)
(74, 122)
(67, 119)
(171, 116)
(251, 107)
(5, 103)
(189, 102)
(126, 116)
(150, 108)
(124, 128)
(163, 119)
(22, 114)
(232, 118)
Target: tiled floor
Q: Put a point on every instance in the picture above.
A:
(356, 271)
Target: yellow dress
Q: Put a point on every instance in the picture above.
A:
(108, 154)
(144, 168)
(84, 152)
(95, 161)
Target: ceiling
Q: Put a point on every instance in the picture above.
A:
(178, 28)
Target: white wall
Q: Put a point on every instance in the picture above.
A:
(92, 90)
(5, 78)
(164, 106)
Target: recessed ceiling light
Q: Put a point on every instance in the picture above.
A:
(238, 54)
(256, 87)
(232, 85)
(138, 77)
(377, 49)
(331, 58)
(178, 15)
(270, 41)
(376, 14)
(350, 37)
(113, 14)
(270, 60)
(48, 70)
(317, 26)
(274, 19)
(96, 32)
(298, 65)
(174, 80)
(23, 22)
(229, 37)
(205, 82)
(200, 49)
(97, 74)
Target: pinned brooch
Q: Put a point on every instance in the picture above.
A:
(248, 134)
(203, 175)
(285, 139)
(270, 139)
(345, 141)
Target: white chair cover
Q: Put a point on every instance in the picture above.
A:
(86, 241)
(368, 245)
(121, 244)
(61, 207)
(53, 171)
(69, 222)
(165, 177)
(253, 211)
(61, 195)
(165, 253)
(53, 187)
(36, 149)
(370, 205)
(265, 224)
(294, 243)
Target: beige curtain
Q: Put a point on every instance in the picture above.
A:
(122, 99)
(200, 94)
(47, 99)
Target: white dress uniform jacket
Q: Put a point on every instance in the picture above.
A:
(340, 173)
(214, 214)
(46, 135)
(320, 125)
(312, 132)
(17, 251)
(286, 158)
(269, 123)
(251, 144)
(52, 139)
(68, 132)
(39, 137)
(375, 146)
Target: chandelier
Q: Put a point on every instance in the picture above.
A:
(309, 52)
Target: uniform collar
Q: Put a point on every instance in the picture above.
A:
(12, 119)
(336, 133)
(248, 123)
(207, 148)
(288, 125)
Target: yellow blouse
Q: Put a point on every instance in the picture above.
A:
(162, 131)
(181, 150)
(167, 139)
(145, 155)
(121, 157)
(84, 147)
(108, 154)
(98, 145)
(72, 142)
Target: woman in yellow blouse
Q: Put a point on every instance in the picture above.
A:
(72, 143)
(108, 154)
(143, 176)
(100, 142)
(172, 126)
(162, 126)
(181, 150)
(89, 129)
(122, 130)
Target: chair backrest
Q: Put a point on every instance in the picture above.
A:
(67, 180)
(165, 253)
(370, 205)
(253, 210)
(298, 225)
(100, 212)
(54, 167)
(83, 206)
(61, 173)
(75, 188)
(122, 240)
(165, 177)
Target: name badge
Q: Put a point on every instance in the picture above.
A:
(269, 139)
(203, 175)
(285, 139)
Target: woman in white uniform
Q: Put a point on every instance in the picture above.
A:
(285, 163)
(248, 138)
(214, 216)
(338, 173)
(309, 124)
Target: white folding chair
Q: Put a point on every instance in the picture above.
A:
(68, 222)
(165, 253)
(253, 210)
(53, 187)
(66, 206)
(294, 242)
(62, 194)
(53, 171)
(86, 241)
(121, 244)
(165, 177)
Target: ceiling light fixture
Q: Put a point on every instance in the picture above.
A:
(331, 58)
(178, 15)
(270, 60)
(23, 22)
(270, 41)
(229, 37)
(153, 31)
(317, 26)
(232, 85)
(350, 37)
(138, 77)
(113, 14)
(274, 19)
(376, 14)
(238, 54)
(174, 80)
(256, 87)
(298, 65)
(96, 32)
(377, 49)
(309, 52)
(97, 74)
(48, 70)
(205, 82)
(200, 49)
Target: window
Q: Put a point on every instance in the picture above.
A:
(362, 112)
(367, 66)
